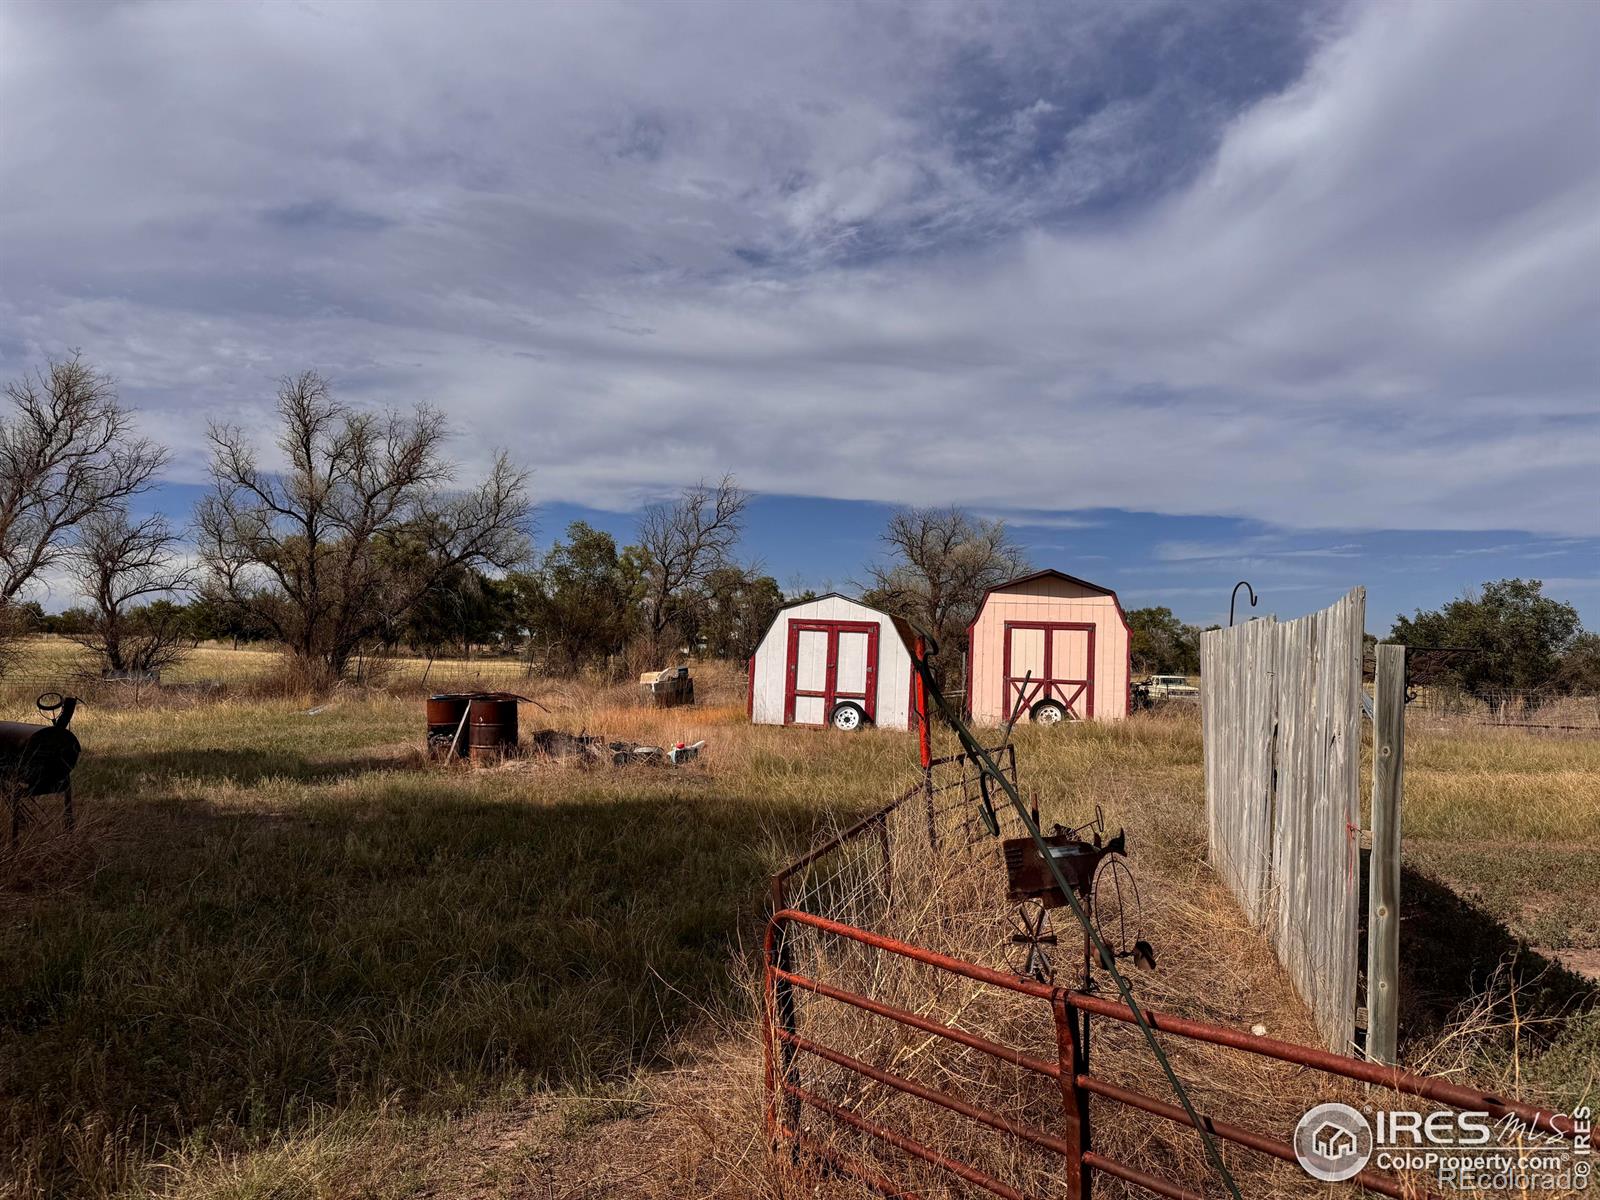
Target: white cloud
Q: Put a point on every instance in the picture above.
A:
(825, 247)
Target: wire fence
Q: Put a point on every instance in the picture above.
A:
(850, 876)
(1508, 708)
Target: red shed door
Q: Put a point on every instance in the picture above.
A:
(830, 661)
(1047, 660)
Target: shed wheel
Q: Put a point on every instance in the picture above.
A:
(847, 717)
(1049, 712)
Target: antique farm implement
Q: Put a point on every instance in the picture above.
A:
(37, 760)
(1097, 872)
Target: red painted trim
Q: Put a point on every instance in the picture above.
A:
(830, 693)
(1048, 686)
(1127, 630)
(750, 695)
(901, 627)
(919, 706)
(790, 667)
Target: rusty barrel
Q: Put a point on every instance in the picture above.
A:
(444, 719)
(492, 726)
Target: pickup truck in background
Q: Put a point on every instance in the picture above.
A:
(1170, 687)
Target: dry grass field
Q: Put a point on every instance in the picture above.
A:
(284, 956)
(51, 660)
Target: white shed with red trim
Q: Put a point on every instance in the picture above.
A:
(1050, 647)
(832, 661)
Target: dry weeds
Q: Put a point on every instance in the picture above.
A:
(488, 1031)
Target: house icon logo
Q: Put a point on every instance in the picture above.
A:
(1333, 1142)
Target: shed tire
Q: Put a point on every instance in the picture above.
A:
(1049, 712)
(847, 717)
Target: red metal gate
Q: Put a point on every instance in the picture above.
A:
(813, 672)
(1049, 660)
(1070, 1011)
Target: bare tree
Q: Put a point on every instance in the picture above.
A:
(359, 526)
(67, 452)
(684, 542)
(132, 573)
(940, 563)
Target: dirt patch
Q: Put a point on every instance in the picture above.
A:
(1580, 962)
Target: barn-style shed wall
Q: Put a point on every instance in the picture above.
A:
(769, 666)
(1050, 599)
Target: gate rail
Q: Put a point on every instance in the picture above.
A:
(1070, 1012)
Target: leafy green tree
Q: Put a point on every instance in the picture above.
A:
(739, 604)
(214, 617)
(583, 604)
(1510, 634)
(463, 608)
(67, 622)
(1161, 644)
(1579, 671)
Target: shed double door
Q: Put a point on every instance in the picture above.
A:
(1049, 660)
(829, 662)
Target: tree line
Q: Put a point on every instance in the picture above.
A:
(1506, 635)
(358, 539)
(355, 539)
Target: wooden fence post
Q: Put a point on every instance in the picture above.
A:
(1383, 897)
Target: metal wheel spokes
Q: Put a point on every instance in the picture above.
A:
(1118, 911)
(1028, 953)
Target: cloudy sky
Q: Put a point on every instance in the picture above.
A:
(1300, 292)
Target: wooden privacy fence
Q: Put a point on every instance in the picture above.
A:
(1282, 712)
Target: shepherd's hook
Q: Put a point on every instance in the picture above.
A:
(1233, 599)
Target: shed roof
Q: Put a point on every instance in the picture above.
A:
(1052, 574)
(908, 635)
(1048, 574)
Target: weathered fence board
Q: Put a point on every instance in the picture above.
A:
(1282, 726)
(1383, 901)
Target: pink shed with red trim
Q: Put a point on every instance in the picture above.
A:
(1051, 647)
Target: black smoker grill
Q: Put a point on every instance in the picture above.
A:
(37, 760)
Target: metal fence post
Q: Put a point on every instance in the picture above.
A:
(783, 1109)
(1072, 1055)
(888, 860)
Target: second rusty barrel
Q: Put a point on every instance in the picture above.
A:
(492, 726)
(445, 712)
